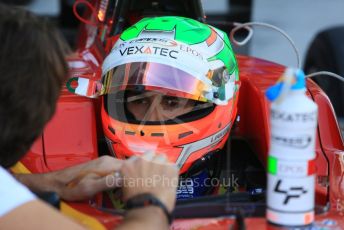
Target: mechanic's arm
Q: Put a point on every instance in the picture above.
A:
(75, 183)
(37, 215)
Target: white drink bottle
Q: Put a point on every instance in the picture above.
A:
(291, 160)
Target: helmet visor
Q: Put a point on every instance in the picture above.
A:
(154, 76)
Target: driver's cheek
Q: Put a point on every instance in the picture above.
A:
(138, 110)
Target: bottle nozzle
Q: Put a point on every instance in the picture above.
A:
(292, 79)
(300, 82)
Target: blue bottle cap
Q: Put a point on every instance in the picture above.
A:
(274, 91)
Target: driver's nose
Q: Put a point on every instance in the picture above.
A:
(153, 114)
(155, 111)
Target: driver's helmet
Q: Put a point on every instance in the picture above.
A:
(170, 85)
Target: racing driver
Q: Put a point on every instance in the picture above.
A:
(170, 86)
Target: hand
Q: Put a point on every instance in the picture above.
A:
(150, 174)
(85, 180)
(78, 182)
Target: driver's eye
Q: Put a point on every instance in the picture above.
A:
(141, 101)
(171, 102)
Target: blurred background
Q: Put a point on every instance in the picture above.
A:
(301, 19)
(316, 27)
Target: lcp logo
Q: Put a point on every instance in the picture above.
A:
(301, 142)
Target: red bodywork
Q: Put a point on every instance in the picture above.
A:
(71, 137)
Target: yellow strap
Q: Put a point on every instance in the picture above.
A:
(87, 221)
(20, 168)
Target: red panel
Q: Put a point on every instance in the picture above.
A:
(256, 76)
(204, 224)
(330, 134)
(331, 142)
(70, 138)
(34, 159)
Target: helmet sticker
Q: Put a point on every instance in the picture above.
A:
(193, 147)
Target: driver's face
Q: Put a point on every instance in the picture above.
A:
(154, 106)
